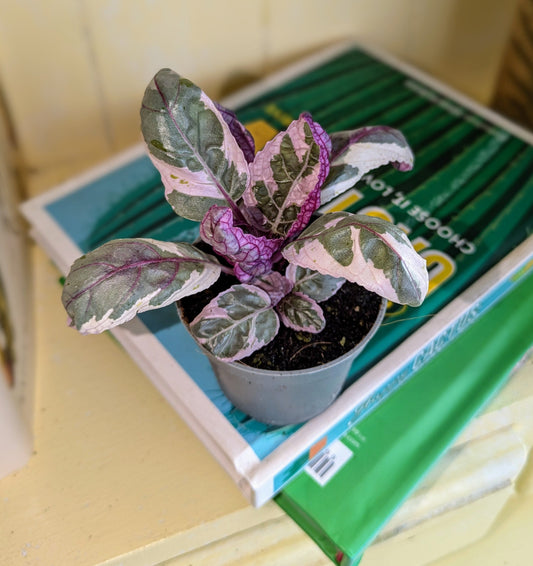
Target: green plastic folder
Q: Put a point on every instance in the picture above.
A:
(396, 445)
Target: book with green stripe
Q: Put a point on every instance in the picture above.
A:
(467, 206)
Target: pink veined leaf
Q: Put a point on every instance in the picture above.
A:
(313, 200)
(286, 176)
(251, 256)
(306, 212)
(322, 138)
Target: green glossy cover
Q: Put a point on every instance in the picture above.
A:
(393, 448)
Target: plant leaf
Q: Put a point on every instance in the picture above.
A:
(357, 152)
(242, 136)
(366, 250)
(300, 312)
(250, 255)
(275, 284)
(286, 178)
(236, 323)
(316, 285)
(200, 162)
(114, 282)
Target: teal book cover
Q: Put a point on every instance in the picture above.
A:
(467, 206)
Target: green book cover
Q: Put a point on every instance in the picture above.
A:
(385, 456)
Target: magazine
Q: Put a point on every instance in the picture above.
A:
(467, 206)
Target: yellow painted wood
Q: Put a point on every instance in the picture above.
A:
(279, 542)
(207, 41)
(444, 535)
(460, 43)
(73, 73)
(298, 27)
(115, 470)
(49, 82)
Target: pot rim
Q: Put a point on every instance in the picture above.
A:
(271, 372)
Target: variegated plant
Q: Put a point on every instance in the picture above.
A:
(256, 213)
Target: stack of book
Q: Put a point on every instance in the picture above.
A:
(467, 206)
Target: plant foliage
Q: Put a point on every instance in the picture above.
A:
(256, 213)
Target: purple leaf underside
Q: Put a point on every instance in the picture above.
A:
(251, 256)
(240, 133)
(276, 285)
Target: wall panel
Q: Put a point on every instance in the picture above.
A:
(73, 71)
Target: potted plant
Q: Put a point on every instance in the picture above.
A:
(267, 262)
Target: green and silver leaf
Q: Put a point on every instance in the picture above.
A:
(236, 323)
(316, 285)
(301, 313)
(200, 161)
(113, 283)
(366, 250)
(286, 176)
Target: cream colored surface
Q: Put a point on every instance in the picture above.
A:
(73, 71)
(15, 439)
(114, 468)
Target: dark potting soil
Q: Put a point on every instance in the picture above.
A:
(349, 314)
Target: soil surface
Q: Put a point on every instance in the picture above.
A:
(349, 314)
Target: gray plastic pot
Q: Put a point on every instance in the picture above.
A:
(287, 397)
